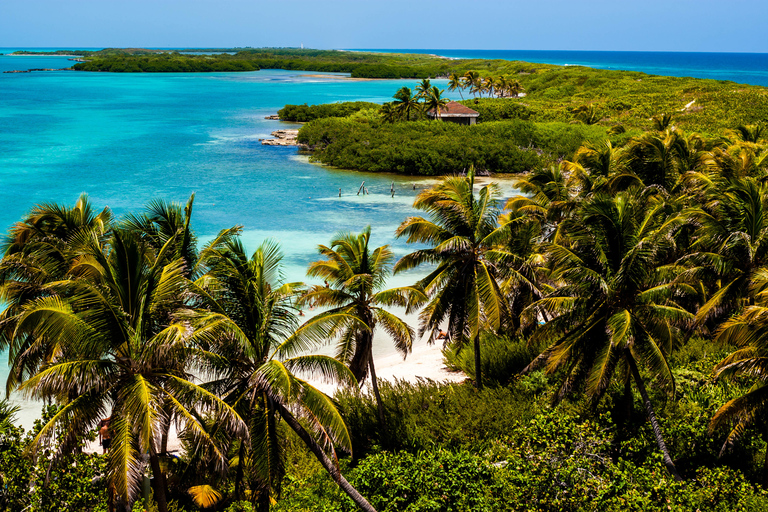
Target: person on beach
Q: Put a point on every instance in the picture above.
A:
(105, 437)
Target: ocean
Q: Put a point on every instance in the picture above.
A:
(128, 138)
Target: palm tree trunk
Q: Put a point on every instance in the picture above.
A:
(478, 365)
(159, 481)
(329, 466)
(239, 474)
(379, 403)
(166, 426)
(652, 418)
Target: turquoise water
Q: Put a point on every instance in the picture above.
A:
(128, 138)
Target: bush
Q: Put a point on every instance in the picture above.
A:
(304, 113)
(501, 357)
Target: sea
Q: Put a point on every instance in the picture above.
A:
(125, 139)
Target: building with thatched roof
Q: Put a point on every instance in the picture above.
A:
(455, 112)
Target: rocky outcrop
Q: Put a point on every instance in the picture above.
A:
(273, 117)
(282, 138)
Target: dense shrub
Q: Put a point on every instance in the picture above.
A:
(425, 147)
(498, 109)
(74, 482)
(304, 113)
(501, 357)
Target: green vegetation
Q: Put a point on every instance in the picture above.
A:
(166, 62)
(435, 148)
(514, 135)
(304, 113)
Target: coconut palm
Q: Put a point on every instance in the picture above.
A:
(738, 160)
(612, 309)
(462, 289)
(434, 101)
(749, 333)
(423, 89)
(731, 246)
(598, 166)
(515, 88)
(163, 221)
(546, 197)
(751, 133)
(37, 251)
(521, 265)
(117, 357)
(356, 277)
(455, 82)
(489, 84)
(389, 113)
(655, 158)
(473, 81)
(248, 330)
(502, 86)
(405, 103)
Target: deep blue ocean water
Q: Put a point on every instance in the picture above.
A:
(745, 68)
(127, 138)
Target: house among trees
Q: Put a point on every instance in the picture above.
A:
(455, 112)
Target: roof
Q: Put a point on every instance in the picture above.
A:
(455, 109)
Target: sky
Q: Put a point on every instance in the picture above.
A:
(616, 25)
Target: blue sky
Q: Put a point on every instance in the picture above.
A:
(647, 25)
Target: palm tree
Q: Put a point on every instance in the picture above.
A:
(116, 357)
(406, 103)
(612, 308)
(515, 88)
(248, 332)
(455, 82)
(751, 133)
(598, 166)
(502, 86)
(661, 122)
(37, 251)
(655, 158)
(731, 245)
(422, 90)
(749, 334)
(488, 85)
(546, 196)
(163, 221)
(355, 277)
(473, 80)
(521, 264)
(460, 231)
(389, 113)
(434, 101)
